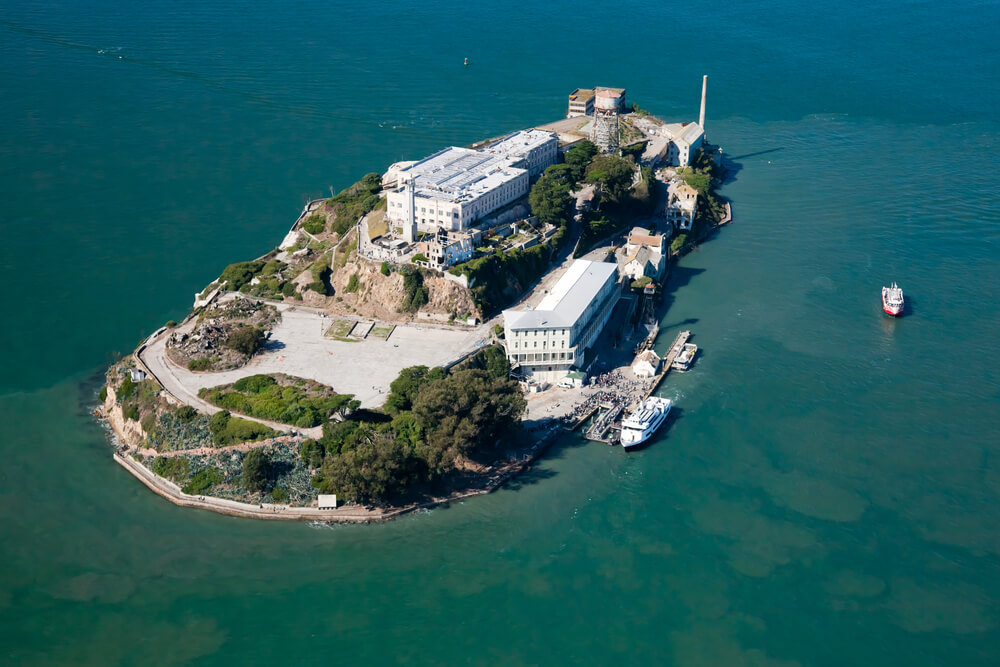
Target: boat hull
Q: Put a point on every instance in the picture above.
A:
(889, 310)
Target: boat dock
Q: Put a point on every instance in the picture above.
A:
(605, 427)
(668, 361)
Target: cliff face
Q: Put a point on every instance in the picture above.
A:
(128, 431)
(381, 297)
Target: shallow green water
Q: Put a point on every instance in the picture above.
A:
(828, 492)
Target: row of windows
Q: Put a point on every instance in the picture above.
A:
(535, 344)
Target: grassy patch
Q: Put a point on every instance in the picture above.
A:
(381, 332)
(264, 397)
(339, 329)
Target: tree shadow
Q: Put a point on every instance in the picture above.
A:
(272, 345)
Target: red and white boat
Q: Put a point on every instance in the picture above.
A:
(892, 300)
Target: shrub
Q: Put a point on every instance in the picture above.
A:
(126, 390)
(256, 465)
(319, 287)
(172, 468)
(217, 423)
(272, 267)
(288, 289)
(279, 494)
(314, 224)
(202, 481)
(385, 269)
(132, 412)
(245, 339)
(202, 364)
(239, 274)
(186, 413)
(420, 257)
(679, 242)
(254, 384)
(171, 324)
(352, 283)
(103, 394)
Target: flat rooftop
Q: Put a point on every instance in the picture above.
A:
(459, 174)
(567, 301)
(517, 145)
(581, 94)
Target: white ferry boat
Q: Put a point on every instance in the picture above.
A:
(640, 426)
(892, 300)
(684, 359)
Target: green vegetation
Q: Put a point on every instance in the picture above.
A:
(103, 394)
(321, 273)
(175, 469)
(435, 419)
(414, 292)
(201, 364)
(350, 204)
(256, 465)
(279, 494)
(186, 413)
(549, 198)
(237, 275)
(229, 430)
(678, 242)
(314, 224)
(340, 328)
(262, 396)
(616, 214)
(641, 282)
(353, 283)
(385, 269)
(202, 481)
(612, 175)
(579, 157)
(171, 324)
(245, 339)
(420, 257)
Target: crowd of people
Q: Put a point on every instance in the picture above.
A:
(615, 389)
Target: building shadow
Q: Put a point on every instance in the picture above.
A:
(733, 165)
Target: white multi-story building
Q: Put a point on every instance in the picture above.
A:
(551, 339)
(456, 187)
(533, 150)
(684, 143)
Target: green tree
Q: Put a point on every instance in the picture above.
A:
(403, 390)
(245, 339)
(256, 466)
(385, 269)
(550, 200)
(378, 467)
(700, 182)
(579, 158)
(612, 174)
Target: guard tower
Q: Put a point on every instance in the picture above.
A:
(605, 131)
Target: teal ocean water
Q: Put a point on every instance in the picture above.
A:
(829, 493)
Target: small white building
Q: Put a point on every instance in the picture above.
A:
(645, 254)
(682, 204)
(684, 144)
(551, 339)
(646, 364)
(327, 501)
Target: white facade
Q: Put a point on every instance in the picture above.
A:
(645, 254)
(456, 187)
(553, 337)
(682, 204)
(646, 365)
(684, 144)
(448, 249)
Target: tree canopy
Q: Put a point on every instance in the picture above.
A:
(612, 174)
(256, 465)
(550, 198)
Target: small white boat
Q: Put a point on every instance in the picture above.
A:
(646, 420)
(683, 360)
(892, 300)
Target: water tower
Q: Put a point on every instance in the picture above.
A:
(605, 131)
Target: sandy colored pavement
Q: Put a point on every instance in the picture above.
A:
(297, 347)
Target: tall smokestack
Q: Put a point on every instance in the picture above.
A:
(704, 90)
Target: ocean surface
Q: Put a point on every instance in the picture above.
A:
(829, 490)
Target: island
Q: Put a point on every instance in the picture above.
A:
(424, 335)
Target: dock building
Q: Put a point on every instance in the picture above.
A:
(550, 340)
(457, 187)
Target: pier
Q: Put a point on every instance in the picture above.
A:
(668, 361)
